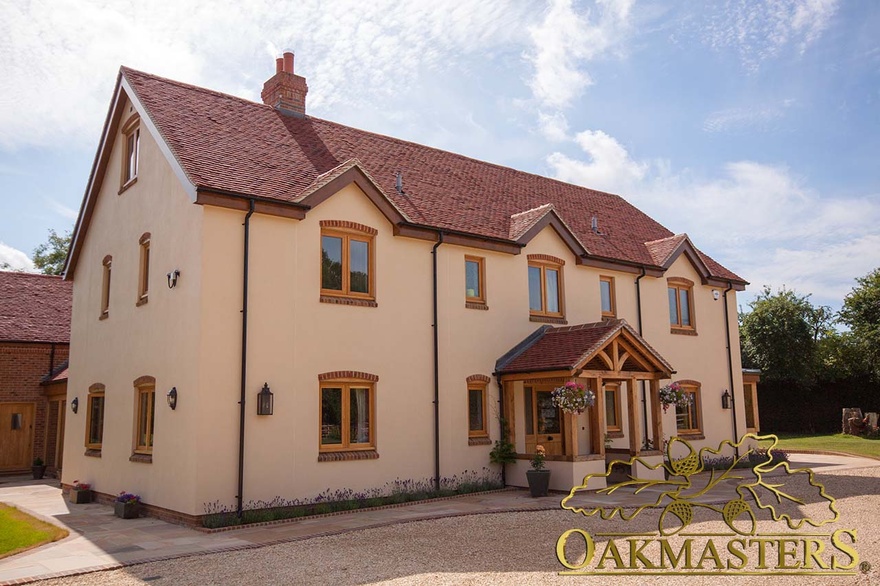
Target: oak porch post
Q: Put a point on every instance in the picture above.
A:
(656, 415)
(597, 420)
(635, 442)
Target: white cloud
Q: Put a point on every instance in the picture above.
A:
(61, 209)
(61, 57)
(553, 126)
(753, 118)
(16, 259)
(761, 221)
(760, 30)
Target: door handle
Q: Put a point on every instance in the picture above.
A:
(549, 438)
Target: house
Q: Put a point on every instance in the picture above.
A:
(34, 343)
(270, 304)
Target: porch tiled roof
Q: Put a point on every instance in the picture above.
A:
(228, 144)
(34, 308)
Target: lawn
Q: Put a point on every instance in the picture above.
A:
(19, 531)
(833, 442)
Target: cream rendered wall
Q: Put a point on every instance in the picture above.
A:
(160, 338)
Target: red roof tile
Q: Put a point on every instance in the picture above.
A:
(230, 144)
(34, 308)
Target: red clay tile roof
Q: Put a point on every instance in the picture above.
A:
(34, 308)
(661, 249)
(230, 144)
(58, 375)
(566, 347)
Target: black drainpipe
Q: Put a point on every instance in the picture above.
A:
(436, 371)
(642, 383)
(52, 358)
(501, 425)
(244, 330)
(730, 368)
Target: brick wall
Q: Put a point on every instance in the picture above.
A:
(22, 366)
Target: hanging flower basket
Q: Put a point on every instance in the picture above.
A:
(672, 394)
(573, 397)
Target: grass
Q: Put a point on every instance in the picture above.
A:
(19, 531)
(833, 442)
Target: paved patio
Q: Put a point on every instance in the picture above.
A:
(99, 540)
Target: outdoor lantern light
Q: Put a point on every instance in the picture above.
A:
(74, 405)
(264, 401)
(172, 398)
(172, 280)
(725, 400)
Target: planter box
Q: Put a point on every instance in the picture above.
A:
(79, 497)
(38, 472)
(539, 482)
(126, 510)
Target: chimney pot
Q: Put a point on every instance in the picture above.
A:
(279, 65)
(288, 61)
(286, 91)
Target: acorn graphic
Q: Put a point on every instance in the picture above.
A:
(736, 508)
(682, 510)
(690, 464)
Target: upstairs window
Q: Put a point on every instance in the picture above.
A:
(132, 142)
(105, 286)
(347, 260)
(95, 417)
(474, 280)
(681, 305)
(606, 294)
(545, 286)
(144, 270)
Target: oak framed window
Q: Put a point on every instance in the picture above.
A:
(474, 280)
(689, 420)
(105, 286)
(347, 415)
(95, 417)
(131, 133)
(681, 305)
(144, 270)
(348, 260)
(477, 424)
(607, 297)
(546, 286)
(145, 411)
(612, 408)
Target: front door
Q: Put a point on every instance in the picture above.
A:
(544, 421)
(16, 436)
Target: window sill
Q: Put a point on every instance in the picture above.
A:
(691, 435)
(348, 301)
(343, 456)
(683, 331)
(615, 434)
(125, 186)
(141, 301)
(476, 305)
(142, 458)
(545, 319)
(104, 315)
(93, 452)
(479, 441)
(607, 316)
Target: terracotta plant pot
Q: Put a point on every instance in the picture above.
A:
(79, 497)
(539, 482)
(126, 510)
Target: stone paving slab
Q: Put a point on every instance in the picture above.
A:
(99, 540)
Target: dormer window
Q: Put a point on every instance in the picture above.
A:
(144, 270)
(347, 263)
(545, 287)
(132, 142)
(681, 305)
(606, 294)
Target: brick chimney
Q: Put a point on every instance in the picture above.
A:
(286, 91)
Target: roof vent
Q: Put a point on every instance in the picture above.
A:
(398, 182)
(286, 91)
(594, 224)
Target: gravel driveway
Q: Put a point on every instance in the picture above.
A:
(505, 548)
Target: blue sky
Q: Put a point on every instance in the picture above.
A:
(752, 126)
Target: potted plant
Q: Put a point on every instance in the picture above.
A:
(38, 469)
(80, 493)
(127, 505)
(538, 476)
(573, 397)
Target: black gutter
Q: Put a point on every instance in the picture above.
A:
(436, 370)
(52, 358)
(244, 315)
(642, 383)
(730, 368)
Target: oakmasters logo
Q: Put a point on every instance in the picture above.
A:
(749, 482)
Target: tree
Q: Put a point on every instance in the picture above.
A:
(49, 257)
(861, 312)
(782, 333)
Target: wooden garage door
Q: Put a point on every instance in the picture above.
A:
(16, 435)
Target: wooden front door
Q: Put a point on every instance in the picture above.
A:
(16, 436)
(544, 421)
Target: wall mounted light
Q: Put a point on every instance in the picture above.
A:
(74, 405)
(725, 400)
(172, 398)
(716, 294)
(172, 278)
(265, 401)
